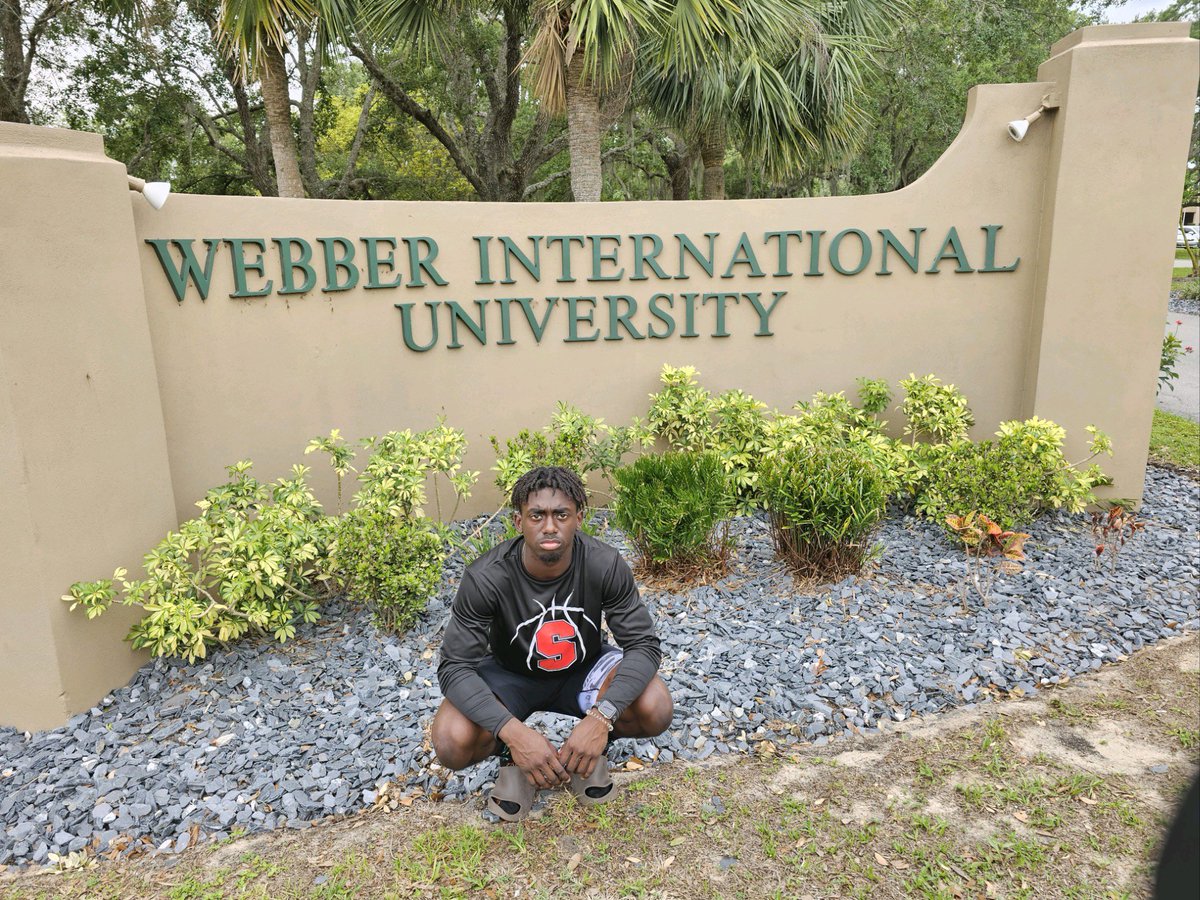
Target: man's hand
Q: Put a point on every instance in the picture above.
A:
(533, 754)
(584, 746)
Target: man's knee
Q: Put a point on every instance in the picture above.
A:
(654, 709)
(457, 741)
(660, 714)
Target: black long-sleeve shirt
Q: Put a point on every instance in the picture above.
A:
(543, 629)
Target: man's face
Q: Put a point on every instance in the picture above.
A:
(548, 521)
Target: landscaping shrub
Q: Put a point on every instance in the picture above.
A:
(733, 425)
(573, 439)
(250, 562)
(991, 551)
(1188, 288)
(681, 413)
(259, 557)
(671, 507)
(401, 463)
(738, 436)
(874, 394)
(393, 563)
(832, 420)
(824, 502)
(387, 554)
(1010, 481)
(745, 435)
(934, 410)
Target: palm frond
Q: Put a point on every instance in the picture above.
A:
(422, 24)
(606, 33)
(547, 56)
(248, 26)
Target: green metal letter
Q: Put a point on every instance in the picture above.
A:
(599, 257)
(574, 317)
(288, 265)
(334, 264)
(512, 251)
(951, 247)
(651, 258)
(418, 263)
(891, 242)
(189, 267)
(458, 314)
(374, 261)
(743, 255)
(662, 315)
(764, 314)
(616, 318)
(989, 252)
(406, 324)
(835, 256)
(783, 271)
(241, 266)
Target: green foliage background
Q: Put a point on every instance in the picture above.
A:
(169, 108)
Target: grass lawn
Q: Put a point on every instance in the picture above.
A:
(1175, 440)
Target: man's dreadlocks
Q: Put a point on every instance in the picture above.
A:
(556, 478)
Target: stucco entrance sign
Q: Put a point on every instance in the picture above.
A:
(224, 328)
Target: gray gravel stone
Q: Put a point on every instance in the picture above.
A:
(267, 736)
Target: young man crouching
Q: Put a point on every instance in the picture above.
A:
(524, 636)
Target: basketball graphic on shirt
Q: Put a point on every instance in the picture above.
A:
(556, 643)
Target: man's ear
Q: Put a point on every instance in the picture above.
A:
(516, 517)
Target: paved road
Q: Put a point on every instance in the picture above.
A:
(1185, 399)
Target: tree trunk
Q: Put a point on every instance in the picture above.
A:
(712, 153)
(273, 77)
(310, 80)
(583, 132)
(678, 160)
(12, 65)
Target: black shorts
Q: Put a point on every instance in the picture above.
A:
(522, 695)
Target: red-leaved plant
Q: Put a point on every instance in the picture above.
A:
(985, 541)
(1112, 529)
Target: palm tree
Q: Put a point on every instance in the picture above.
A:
(584, 53)
(581, 53)
(788, 97)
(254, 33)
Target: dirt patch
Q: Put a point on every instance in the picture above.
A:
(1064, 795)
(1104, 748)
(860, 759)
(1189, 660)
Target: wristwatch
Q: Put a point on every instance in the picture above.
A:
(607, 711)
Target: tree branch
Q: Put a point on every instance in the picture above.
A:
(310, 76)
(565, 173)
(405, 103)
(360, 133)
(534, 155)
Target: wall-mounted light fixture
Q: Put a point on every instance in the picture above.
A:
(155, 192)
(1017, 128)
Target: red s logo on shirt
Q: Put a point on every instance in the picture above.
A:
(555, 641)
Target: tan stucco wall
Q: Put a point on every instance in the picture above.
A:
(1119, 147)
(174, 391)
(83, 465)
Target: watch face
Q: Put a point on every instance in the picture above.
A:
(607, 710)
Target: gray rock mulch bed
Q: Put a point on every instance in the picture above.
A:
(1179, 304)
(263, 736)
